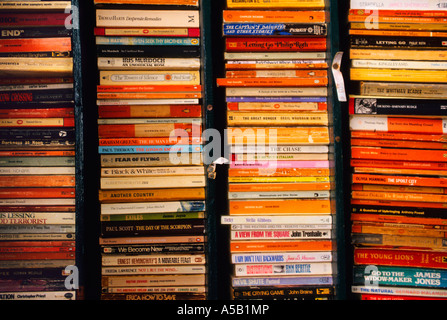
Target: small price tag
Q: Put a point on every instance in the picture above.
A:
(338, 77)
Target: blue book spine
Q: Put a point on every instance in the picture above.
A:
(276, 281)
(143, 41)
(276, 99)
(401, 276)
(151, 149)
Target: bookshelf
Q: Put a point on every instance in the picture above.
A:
(87, 162)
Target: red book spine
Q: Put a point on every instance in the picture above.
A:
(401, 258)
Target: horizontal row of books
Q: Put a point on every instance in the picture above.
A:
(152, 181)
(398, 157)
(37, 152)
(279, 178)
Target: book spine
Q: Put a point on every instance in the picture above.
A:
(153, 259)
(146, 32)
(150, 249)
(283, 269)
(275, 44)
(149, 149)
(133, 51)
(273, 29)
(284, 281)
(398, 124)
(273, 16)
(13, 19)
(400, 291)
(399, 180)
(402, 258)
(132, 63)
(152, 195)
(378, 106)
(396, 276)
(26, 33)
(399, 5)
(46, 218)
(154, 207)
(280, 234)
(249, 4)
(396, 42)
(141, 41)
(157, 159)
(279, 195)
(137, 228)
(152, 18)
(272, 220)
(163, 171)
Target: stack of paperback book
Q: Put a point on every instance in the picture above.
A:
(37, 151)
(398, 157)
(280, 211)
(152, 189)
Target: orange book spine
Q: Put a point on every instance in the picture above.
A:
(38, 153)
(163, 2)
(398, 154)
(391, 225)
(399, 180)
(37, 181)
(399, 136)
(247, 207)
(399, 164)
(414, 232)
(279, 172)
(260, 187)
(378, 18)
(272, 82)
(149, 95)
(279, 135)
(149, 141)
(396, 33)
(380, 188)
(152, 195)
(280, 246)
(395, 196)
(286, 73)
(274, 16)
(389, 203)
(399, 171)
(143, 131)
(36, 193)
(266, 66)
(299, 106)
(139, 89)
(253, 44)
(36, 45)
(362, 217)
(150, 111)
(398, 13)
(399, 144)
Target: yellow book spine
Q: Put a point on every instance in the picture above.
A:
(149, 77)
(278, 118)
(398, 75)
(428, 55)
